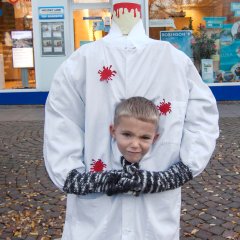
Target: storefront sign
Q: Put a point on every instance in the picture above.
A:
(51, 13)
(214, 22)
(207, 70)
(179, 39)
(22, 50)
(162, 23)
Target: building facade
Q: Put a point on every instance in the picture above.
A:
(37, 36)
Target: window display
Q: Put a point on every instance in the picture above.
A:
(216, 34)
(16, 45)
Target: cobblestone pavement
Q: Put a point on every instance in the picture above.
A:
(32, 208)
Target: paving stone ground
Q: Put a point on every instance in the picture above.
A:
(31, 207)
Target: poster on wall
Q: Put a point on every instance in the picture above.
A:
(22, 49)
(230, 53)
(52, 38)
(179, 39)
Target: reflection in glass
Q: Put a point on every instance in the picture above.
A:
(90, 25)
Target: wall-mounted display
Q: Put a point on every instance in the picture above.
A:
(52, 34)
(22, 49)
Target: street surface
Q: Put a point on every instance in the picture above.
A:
(31, 207)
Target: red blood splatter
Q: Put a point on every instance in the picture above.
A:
(106, 74)
(164, 107)
(136, 7)
(13, 1)
(97, 166)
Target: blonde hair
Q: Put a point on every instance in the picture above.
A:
(139, 108)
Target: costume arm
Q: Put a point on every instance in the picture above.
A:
(152, 182)
(200, 129)
(98, 182)
(64, 121)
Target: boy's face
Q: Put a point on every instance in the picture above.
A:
(134, 137)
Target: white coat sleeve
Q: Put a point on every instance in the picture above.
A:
(201, 128)
(64, 123)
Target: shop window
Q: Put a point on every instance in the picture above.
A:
(214, 26)
(90, 25)
(16, 45)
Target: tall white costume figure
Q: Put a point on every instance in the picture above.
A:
(77, 143)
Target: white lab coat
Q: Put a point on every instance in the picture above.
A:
(80, 108)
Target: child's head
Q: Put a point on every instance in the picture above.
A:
(135, 127)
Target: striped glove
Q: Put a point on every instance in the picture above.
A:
(152, 182)
(98, 182)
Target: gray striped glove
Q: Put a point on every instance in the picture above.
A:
(97, 182)
(152, 182)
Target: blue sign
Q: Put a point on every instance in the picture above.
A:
(214, 22)
(237, 13)
(46, 13)
(179, 39)
(235, 6)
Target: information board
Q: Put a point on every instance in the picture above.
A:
(22, 49)
(52, 38)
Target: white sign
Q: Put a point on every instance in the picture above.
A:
(22, 50)
(22, 57)
(207, 70)
(162, 23)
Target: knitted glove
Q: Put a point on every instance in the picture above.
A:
(129, 182)
(97, 182)
(152, 182)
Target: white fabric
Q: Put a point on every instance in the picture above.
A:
(80, 108)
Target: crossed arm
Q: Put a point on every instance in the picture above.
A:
(129, 179)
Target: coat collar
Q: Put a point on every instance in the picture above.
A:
(135, 39)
